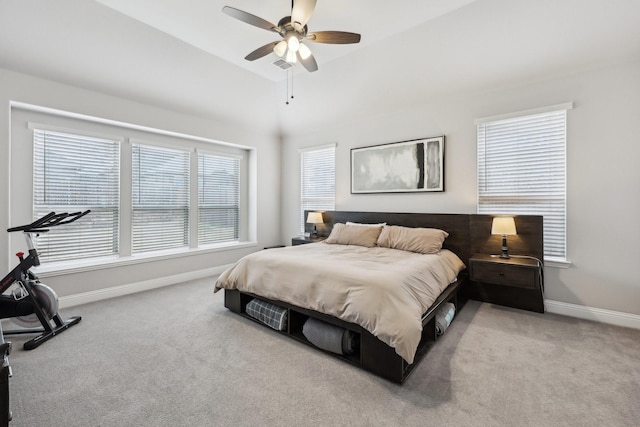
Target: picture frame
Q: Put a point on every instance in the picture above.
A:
(410, 166)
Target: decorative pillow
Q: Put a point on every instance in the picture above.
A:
(367, 225)
(343, 234)
(420, 240)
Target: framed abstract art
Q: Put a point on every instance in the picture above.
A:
(399, 167)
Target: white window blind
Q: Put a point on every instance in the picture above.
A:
(317, 180)
(160, 190)
(218, 198)
(521, 170)
(72, 173)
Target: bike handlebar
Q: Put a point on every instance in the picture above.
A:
(51, 219)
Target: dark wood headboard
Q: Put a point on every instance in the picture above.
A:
(468, 233)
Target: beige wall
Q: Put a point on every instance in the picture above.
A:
(603, 180)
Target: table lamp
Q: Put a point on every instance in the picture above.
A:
(314, 218)
(505, 226)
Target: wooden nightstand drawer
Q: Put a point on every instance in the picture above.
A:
(500, 274)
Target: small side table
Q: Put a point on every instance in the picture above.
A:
(513, 282)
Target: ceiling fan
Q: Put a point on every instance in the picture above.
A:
(293, 30)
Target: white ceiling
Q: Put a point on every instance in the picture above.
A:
(187, 55)
(202, 24)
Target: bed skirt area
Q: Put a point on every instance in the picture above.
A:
(370, 354)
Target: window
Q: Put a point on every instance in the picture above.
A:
(152, 193)
(218, 198)
(73, 173)
(160, 189)
(317, 180)
(521, 170)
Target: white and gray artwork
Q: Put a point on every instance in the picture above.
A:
(408, 166)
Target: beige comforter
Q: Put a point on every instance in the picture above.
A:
(385, 291)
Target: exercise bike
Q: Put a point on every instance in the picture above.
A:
(32, 302)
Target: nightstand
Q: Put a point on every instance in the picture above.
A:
(513, 282)
(302, 240)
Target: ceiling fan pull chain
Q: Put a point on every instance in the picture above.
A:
(291, 84)
(287, 95)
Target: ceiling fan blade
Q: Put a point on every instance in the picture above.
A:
(333, 37)
(261, 51)
(250, 19)
(309, 63)
(301, 13)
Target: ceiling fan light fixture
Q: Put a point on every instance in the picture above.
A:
(292, 42)
(280, 49)
(291, 57)
(304, 51)
(293, 30)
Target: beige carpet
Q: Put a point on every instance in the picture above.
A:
(176, 357)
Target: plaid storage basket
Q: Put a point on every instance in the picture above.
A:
(270, 314)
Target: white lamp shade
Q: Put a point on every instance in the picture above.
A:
(291, 57)
(315, 218)
(280, 49)
(305, 52)
(504, 226)
(293, 43)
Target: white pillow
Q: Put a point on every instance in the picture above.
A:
(343, 234)
(420, 240)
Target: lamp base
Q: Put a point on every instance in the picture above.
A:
(505, 251)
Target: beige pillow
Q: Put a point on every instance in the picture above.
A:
(343, 234)
(420, 240)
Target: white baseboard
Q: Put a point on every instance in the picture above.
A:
(573, 310)
(116, 291)
(591, 313)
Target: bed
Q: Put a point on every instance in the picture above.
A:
(384, 281)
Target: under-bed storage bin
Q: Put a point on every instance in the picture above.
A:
(271, 315)
(444, 317)
(329, 337)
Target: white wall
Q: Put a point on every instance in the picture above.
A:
(602, 175)
(22, 88)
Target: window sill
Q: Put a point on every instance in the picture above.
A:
(79, 266)
(556, 262)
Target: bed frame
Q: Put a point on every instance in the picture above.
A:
(468, 234)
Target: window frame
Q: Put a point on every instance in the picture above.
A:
(560, 261)
(22, 115)
(328, 203)
(147, 208)
(38, 127)
(197, 222)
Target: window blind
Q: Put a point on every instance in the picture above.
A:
(521, 170)
(160, 190)
(317, 180)
(218, 198)
(72, 173)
